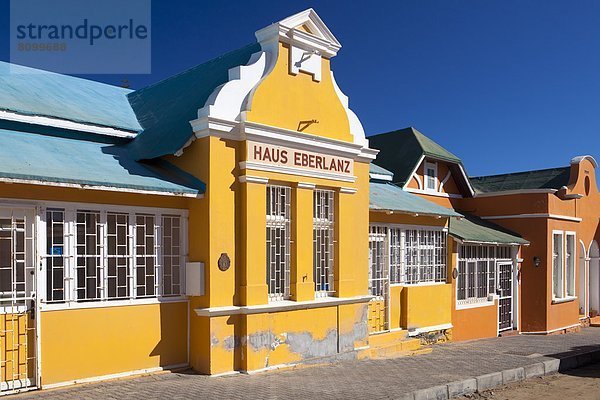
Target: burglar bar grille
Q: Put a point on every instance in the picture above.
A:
(88, 261)
(323, 238)
(278, 242)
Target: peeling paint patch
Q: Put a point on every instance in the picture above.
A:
(230, 343)
(261, 340)
(304, 344)
(360, 331)
(214, 341)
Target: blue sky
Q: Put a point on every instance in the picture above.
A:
(505, 85)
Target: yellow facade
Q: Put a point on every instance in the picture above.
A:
(95, 342)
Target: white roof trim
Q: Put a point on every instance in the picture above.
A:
(381, 177)
(66, 124)
(97, 187)
(578, 159)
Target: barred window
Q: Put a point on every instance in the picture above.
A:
(425, 256)
(278, 241)
(414, 255)
(378, 259)
(477, 271)
(98, 255)
(323, 239)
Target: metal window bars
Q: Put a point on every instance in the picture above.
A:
(112, 255)
(278, 241)
(323, 241)
(477, 271)
(171, 255)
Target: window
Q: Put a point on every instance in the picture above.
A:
(278, 241)
(476, 279)
(413, 255)
(563, 264)
(430, 176)
(116, 255)
(425, 256)
(323, 211)
(378, 261)
(557, 265)
(570, 264)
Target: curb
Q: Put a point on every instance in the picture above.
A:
(496, 379)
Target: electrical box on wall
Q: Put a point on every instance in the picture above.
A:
(194, 279)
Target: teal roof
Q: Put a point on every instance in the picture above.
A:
(389, 197)
(472, 229)
(165, 109)
(401, 150)
(376, 169)
(53, 159)
(553, 178)
(36, 92)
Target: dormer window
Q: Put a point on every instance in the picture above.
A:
(431, 176)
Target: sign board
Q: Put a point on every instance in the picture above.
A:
(299, 159)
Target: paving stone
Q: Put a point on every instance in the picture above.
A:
(389, 378)
(551, 366)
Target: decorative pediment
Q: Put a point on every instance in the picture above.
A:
(305, 30)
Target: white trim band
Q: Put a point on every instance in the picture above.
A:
(296, 171)
(280, 306)
(66, 124)
(253, 179)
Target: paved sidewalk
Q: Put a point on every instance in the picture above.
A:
(372, 379)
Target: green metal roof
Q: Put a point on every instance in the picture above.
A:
(53, 159)
(476, 230)
(389, 197)
(35, 92)
(553, 178)
(401, 150)
(166, 108)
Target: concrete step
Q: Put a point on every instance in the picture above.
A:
(595, 321)
(386, 338)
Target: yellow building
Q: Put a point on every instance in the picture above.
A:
(227, 219)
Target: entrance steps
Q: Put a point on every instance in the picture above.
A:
(393, 344)
(595, 321)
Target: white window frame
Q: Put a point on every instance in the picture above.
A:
(324, 243)
(279, 289)
(564, 294)
(427, 165)
(440, 278)
(491, 277)
(70, 300)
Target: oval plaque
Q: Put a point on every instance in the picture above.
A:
(224, 262)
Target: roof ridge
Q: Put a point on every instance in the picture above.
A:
(212, 60)
(519, 172)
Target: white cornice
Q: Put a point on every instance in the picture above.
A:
(348, 190)
(252, 179)
(66, 124)
(380, 177)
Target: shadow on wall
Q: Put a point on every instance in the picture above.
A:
(171, 349)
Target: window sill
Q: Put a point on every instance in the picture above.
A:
(475, 304)
(284, 305)
(408, 285)
(110, 303)
(564, 300)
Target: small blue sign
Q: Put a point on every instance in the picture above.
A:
(57, 250)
